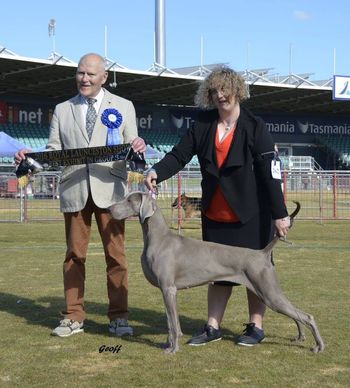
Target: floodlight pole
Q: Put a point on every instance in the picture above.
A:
(105, 41)
(248, 57)
(247, 70)
(201, 51)
(290, 59)
(159, 64)
(53, 44)
(160, 32)
(201, 67)
(52, 26)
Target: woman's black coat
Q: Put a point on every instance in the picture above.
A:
(245, 178)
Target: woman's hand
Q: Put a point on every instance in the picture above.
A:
(151, 180)
(282, 226)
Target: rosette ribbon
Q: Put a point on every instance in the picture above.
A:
(112, 119)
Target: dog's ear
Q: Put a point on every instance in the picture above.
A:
(147, 207)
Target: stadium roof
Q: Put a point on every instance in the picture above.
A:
(53, 79)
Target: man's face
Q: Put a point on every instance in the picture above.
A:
(90, 76)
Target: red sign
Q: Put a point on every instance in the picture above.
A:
(3, 112)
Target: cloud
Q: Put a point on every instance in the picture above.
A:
(302, 15)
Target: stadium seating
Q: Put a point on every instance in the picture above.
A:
(160, 138)
(338, 145)
(35, 137)
(164, 141)
(31, 135)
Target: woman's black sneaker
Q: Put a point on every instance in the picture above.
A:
(251, 335)
(209, 334)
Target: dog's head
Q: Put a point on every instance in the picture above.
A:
(134, 204)
(181, 199)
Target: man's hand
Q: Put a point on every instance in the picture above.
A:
(21, 155)
(138, 145)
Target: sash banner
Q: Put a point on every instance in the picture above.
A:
(38, 161)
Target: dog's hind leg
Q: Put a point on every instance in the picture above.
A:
(169, 296)
(302, 318)
(301, 334)
(268, 289)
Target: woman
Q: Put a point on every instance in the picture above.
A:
(242, 201)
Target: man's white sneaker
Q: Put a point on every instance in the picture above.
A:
(68, 327)
(120, 327)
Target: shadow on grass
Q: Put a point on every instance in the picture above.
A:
(45, 312)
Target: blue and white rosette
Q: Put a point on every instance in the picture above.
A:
(112, 119)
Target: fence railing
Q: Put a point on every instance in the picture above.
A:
(306, 163)
(324, 195)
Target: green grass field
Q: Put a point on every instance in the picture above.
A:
(314, 274)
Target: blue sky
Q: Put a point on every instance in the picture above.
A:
(242, 33)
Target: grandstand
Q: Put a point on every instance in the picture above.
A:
(30, 135)
(300, 113)
(163, 140)
(340, 147)
(36, 137)
(337, 149)
(310, 129)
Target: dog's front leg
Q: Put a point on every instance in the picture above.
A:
(169, 296)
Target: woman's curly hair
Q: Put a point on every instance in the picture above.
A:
(221, 78)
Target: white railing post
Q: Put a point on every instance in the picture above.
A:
(21, 206)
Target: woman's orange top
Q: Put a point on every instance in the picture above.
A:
(219, 210)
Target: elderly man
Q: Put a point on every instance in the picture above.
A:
(94, 117)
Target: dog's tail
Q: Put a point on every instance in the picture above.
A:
(270, 246)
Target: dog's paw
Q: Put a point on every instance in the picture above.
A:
(299, 338)
(171, 350)
(318, 348)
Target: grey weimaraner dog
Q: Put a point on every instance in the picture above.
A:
(172, 262)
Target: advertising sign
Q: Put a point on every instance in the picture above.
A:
(341, 87)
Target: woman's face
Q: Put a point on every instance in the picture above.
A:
(222, 101)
